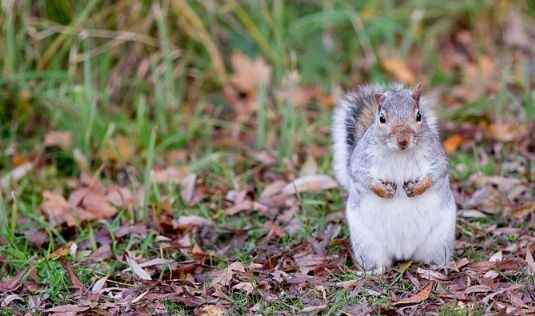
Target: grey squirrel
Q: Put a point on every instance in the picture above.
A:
(389, 158)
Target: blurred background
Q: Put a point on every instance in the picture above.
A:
(174, 129)
(212, 75)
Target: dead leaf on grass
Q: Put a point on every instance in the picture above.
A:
(36, 238)
(248, 74)
(15, 175)
(61, 139)
(187, 188)
(142, 274)
(418, 297)
(398, 68)
(119, 149)
(72, 275)
(453, 142)
(11, 298)
(310, 183)
(193, 220)
(247, 287)
(12, 284)
(168, 175)
(212, 310)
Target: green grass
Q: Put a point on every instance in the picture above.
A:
(154, 73)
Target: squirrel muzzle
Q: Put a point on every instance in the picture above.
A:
(403, 136)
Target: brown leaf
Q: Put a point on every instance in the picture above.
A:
(36, 238)
(248, 74)
(418, 297)
(519, 211)
(193, 220)
(99, 285)
(120, 197)
(61, 139)
(10, 298)
(168, 175)
(507, 131)
(142, 274)
(453, 142)
(72, 275)
(10, 285)
(119, 149)
(187, 188)
(314, 308)
(15, 175)
(431, 275)
(313, 183)
(477, 289)
(224, 276)
(70, 308)
(56, 209)
(398, 68)
(488, 200)
(530, 261)
(247, 287)
(101, 254)
(96, 206)
(212, 310)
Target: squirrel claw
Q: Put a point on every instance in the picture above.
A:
(383, 189)
(417, 187)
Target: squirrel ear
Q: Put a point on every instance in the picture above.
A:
(417, 92)
(379, 98)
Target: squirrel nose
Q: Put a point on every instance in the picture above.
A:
(402, 144)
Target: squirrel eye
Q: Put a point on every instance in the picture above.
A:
(382, 118)
(418, 116)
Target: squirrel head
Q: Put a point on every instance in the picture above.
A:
(399, 118)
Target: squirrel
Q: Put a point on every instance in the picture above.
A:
(388, 156)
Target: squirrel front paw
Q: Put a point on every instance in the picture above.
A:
(417, 187)
(384, 189)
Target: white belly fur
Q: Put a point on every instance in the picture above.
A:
(398, 228)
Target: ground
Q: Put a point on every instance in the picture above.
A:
(174, 156)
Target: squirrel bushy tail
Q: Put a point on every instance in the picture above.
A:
(352, 116)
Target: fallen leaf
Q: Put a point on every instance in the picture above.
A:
(56, 209)
(398, 68)
(72, 275)
(353, 284)
(187, 188)
(15, 175)
(417, 298)
(488, 200)
(247, 287)
(311, 183)
(119, 149)
(453, 142)
(507, 131)
(477, 289)
(101, 254)
(36, 238)
(11, 298)
(10, 285)
(248, 74)
(168, 175)
(212, 310)
(193, 220)
(530, 261)
(61, 139)
(70, 308)
(519, 211)
(224, 276)
(142, 274)
(314, 308)
(99, 285)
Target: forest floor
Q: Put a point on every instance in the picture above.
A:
(149, 173)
